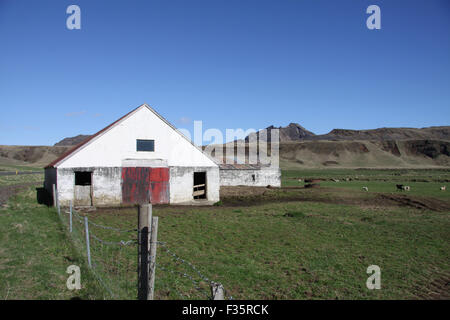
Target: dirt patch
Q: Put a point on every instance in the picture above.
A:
(436, 289)
(249, 196)
(418, 203)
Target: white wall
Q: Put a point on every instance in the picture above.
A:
(243, 177)
(106, 184)
(182, 183)
(119, 143)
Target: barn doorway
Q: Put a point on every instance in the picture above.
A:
(83, 188)
(199, 191)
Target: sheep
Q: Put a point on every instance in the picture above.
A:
(335, 180)
(365, 188)
(443, 188)
(403, 188)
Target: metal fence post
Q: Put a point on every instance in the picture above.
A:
(152, 267)
(57, 202)
(86, 226)
(70, 217)
(54, 195)
(144, 221)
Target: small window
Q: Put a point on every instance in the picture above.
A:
(145, 145)
(83, 178)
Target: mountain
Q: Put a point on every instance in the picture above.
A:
(295, 132)
(71, 141)
(300, 148)
(292, 132)
(384, 134)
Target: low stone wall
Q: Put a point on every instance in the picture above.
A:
(251, 177)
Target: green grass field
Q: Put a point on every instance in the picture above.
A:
(36, 252)
(286, 244)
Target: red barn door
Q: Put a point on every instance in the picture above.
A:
(145, 185)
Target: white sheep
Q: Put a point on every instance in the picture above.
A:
(365, 188)
(443, 188)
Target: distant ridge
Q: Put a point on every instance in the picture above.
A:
(295, 132)
(292, 132)
(71, 141)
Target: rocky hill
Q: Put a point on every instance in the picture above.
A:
(71, 141)
(292, 132)
(295, 132)
(383, 134)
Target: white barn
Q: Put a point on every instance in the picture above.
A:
(139, 158)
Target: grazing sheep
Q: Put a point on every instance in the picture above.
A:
(365, 188)
(443, 188)
(300, 180)
(335, 180)
(406, 188)
(399, 186)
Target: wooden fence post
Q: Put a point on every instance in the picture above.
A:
(144, 221)
(88, 248)
(217, 291)
(152, 267)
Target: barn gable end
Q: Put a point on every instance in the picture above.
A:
(139, 158)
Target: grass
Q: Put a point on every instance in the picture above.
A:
(36, 252)
(276, 251)
(7, 167)
(261, 250)
(423, 182)
(20, 179)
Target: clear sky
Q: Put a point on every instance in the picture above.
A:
(230, 63)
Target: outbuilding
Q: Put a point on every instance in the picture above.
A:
(139, 158)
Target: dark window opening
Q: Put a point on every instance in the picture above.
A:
(83, 178)
(253, 178)
(199, 185)
(145, 145)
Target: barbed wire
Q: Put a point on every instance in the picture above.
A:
(162, 245)
(112, 228)
(185, 275)
(121, 242)
(75, 213)
(177, 258)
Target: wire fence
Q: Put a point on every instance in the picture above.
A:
(112, 256)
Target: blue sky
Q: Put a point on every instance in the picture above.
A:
(230, 63)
